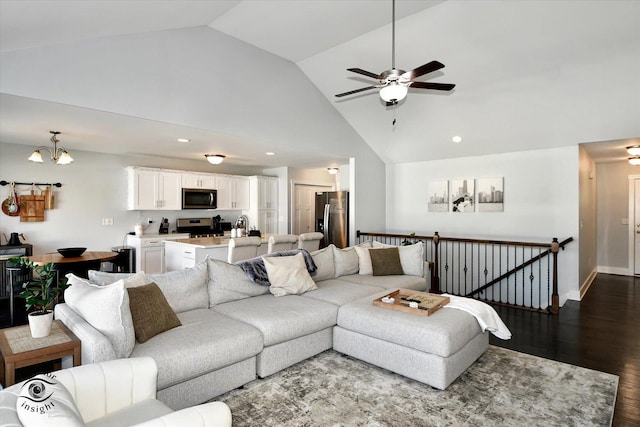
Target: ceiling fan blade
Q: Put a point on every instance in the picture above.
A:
(364, 73)
(434, 86)
(422, 70)
(351, 92)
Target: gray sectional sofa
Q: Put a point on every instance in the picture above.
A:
(233, 330)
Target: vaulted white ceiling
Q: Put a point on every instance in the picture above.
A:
(528, 74)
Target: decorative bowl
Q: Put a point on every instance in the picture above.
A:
(71, 252)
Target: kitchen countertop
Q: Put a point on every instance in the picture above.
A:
(201, 242)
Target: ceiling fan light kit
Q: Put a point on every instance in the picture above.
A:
(633, 150)
(59, 155)
(215, 159)
(394, 83)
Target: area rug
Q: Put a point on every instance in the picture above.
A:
(503, 388)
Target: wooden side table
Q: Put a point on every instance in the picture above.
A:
(19, 349)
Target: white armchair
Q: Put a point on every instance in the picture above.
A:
(243, 248)
(120, 392)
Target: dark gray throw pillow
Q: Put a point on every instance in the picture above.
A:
(386, 262)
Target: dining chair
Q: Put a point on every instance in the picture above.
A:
(243, 248)
(282, 242)
(310, 241)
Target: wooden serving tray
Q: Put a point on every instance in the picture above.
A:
(427, 303)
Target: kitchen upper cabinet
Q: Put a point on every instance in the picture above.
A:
(233, 192)
(263, 211)
(199, 180)
(267, 192)
(154, 189)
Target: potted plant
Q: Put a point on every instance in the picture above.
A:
(39, 294)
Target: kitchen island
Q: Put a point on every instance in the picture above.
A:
(185, 253)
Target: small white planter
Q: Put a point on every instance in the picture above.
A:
(40, 325)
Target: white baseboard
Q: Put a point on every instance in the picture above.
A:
(587, 283)
(615, 270)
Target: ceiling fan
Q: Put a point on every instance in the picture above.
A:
(394, 83)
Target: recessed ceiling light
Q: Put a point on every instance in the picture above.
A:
(270, 153)
(457, 139)
(183, 140)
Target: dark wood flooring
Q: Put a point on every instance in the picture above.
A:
(601, 332)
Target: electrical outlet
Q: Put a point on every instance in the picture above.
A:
(107, 221)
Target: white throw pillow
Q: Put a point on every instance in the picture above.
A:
(411, 257)
(106, 308)
(288, 275)
(44, 402)
(323, 259)
(364, 261)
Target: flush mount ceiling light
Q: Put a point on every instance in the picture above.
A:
(635, 161)
(633, 150)
(457, 139)
(332, 171)
(58, 155)
(215, 159)
(270, 153)
(184, 140)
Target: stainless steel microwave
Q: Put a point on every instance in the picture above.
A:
(198, 198)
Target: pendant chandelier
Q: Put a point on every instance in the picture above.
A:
(59, 155)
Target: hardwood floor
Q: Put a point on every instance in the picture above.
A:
(601, 332)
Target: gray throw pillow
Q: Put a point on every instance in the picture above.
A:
(228, 282)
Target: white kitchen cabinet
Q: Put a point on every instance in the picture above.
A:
(263, 210)
(149, 251)
(154, 189)
(233, 192)
(205, 181)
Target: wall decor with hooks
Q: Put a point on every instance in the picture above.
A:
(3, 183)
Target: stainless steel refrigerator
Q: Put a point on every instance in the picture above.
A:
(332, 218)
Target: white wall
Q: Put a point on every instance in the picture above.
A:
(613, 208)
(93, 187)
(588, 220)
(540, 202)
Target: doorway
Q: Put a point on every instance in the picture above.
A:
(304, 206)
(634, 224)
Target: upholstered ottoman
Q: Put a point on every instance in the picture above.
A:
(434, 350)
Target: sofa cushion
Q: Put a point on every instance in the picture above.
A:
(385, 262)
(364, 261)
(281, 319)
(388, 282)
(150, 311)
(257, 272)
(205, 342)
(105, 278)
(184, 289)
(106, 308)
(340, 292)
(43, 402)
(346, 260)
(228, 282)
(323, 259)
(411, 257)
(288, 275)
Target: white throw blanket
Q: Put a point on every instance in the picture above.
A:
(484, 313)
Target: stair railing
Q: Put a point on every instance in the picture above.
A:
(511, 273)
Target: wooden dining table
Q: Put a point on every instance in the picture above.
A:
(78, 265)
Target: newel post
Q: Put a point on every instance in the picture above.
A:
(435, 273)
(555, 298)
